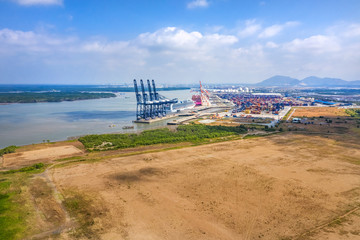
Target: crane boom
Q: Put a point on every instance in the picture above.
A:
(138, 95)
(156, 95)
(145, 97)
(151, 95)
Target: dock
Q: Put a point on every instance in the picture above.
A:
(152, 120)
(202, 112)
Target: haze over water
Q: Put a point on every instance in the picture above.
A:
(27, 123)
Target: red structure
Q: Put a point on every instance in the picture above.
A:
(203, 98)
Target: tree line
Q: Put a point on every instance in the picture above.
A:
(30, 97)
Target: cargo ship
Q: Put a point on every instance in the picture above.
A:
(181, 105)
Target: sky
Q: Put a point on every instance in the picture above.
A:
(177, 41)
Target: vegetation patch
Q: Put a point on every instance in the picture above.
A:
(77, 158)
(13, 213)
(36, 168)
(249, 136)
(83, 208)
(9, 149)
(353, 112)
(184, 133)
(31, 97)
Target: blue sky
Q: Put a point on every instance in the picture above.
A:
(175, 41)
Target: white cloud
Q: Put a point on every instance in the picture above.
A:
(219, 40)
(179, 39)
(198, 4)
(177, 55)
(39, 2)
(251, 28)
(170, 37)
(104, 47)
(344, 29)
(30, 40)
(353, 30)
(276, 29)
(271, 31)
(271, 45)
(314, 44)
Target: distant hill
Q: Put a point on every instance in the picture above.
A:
(312, 81)
(280, 81)
(323, 82)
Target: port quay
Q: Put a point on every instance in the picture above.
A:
(215, 104)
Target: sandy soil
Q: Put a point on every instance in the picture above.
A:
(44, 155)
(319, 111)
(278, 187)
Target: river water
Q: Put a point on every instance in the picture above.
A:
(27, 123)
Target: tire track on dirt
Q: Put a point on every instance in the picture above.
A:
(68, 224)
(327, 223)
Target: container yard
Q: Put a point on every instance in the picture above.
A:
(259, 103)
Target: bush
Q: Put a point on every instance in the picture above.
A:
(35, 167)
(353, 112)
(9, 149)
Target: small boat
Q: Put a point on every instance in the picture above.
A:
(127, 127)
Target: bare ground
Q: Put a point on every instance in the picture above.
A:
(319, 111)
(45, 155)
(288, 186)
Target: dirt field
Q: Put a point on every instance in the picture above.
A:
(288, 186)
(25, 158)
(319, 111)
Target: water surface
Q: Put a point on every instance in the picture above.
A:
(27, 123)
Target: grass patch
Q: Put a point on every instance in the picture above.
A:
(194, 133)
(250, 136)
(13, 210)
(70, 159)
(84, 209)
(36, 168)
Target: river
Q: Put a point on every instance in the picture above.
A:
(27, 123)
